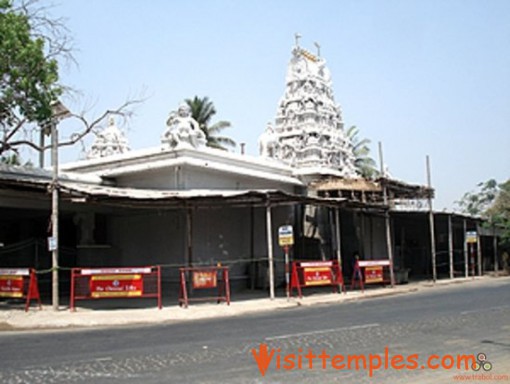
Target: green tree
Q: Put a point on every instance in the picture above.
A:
(364, 164)
(202, 110)
(491, 201)
(12, 159)
(499, 211)
(32, 43)
(476, 203)
(28, 75)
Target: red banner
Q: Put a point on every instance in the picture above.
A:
(373, 275)
(317, 276)
(205, 279)
(116, 285)
(11, 286)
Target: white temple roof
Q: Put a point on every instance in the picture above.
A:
(145, 160)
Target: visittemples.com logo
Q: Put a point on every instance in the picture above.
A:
(274, 359)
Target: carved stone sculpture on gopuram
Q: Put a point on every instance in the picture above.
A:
(183, 130)
(110, 141)
(309, 132)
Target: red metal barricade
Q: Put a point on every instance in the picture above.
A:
(19, 283)
(369, 272)
(314, 274)
(205, 278)
(108, 283)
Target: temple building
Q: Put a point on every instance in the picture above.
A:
(183, 203)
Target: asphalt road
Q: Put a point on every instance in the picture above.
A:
(458, 319)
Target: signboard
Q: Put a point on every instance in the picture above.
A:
(11, 286)
(471, 237)
(116, 286)
(374, 263)
(52, 244)
(109, 271)
(285, 235)
(14, 272)
(205, 279)
(312, 274)
(316, 264)
(112, 283)
(373, 275)
(19, 283)
(372, 271)
(317, 276)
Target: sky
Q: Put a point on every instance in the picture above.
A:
(422, 77)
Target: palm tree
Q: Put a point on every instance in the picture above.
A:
(365, 165)
(12, 159)
(202, 110)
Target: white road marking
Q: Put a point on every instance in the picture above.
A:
(321, 331)
(498, 308)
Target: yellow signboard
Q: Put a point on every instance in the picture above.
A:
(285, 235)
(471, 237)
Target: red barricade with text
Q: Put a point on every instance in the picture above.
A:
(19, 283)
(203, 278)
(370, 272)
(109, 283)
(307, 274)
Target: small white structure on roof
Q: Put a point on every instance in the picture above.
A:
(183, 130)
(111, 141)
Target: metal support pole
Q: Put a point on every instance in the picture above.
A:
(478, 250)
(287, 272)
(466, 263)
(495, 248)
(472, 257)
(431, 226)
(338, 239)
(41, 143)
(450, 245)
(269, 230)
(390, 248)
(387, 217)
(189, 237)
(54, 217)
(254, 264)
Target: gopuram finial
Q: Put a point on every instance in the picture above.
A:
(297, 36)
(317, 45)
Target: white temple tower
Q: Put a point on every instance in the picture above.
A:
(308, 133)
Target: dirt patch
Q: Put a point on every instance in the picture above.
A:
(6, 327)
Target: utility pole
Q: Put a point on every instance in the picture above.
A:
(431, 225)
(45, 131)
(54, 216)
(59, 112)
(386, 216)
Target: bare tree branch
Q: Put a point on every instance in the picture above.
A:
(53, 30)
(124, 110)
(16, 125)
